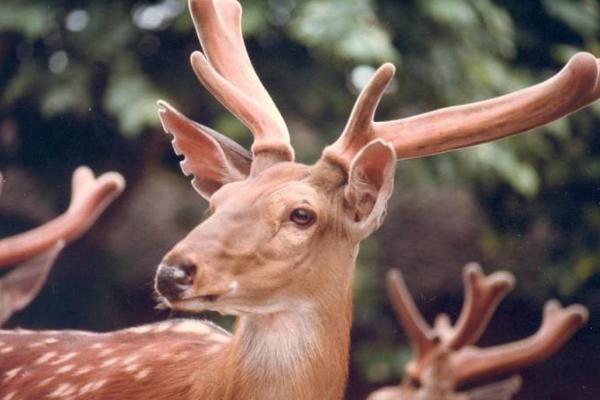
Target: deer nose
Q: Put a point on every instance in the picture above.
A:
(173, 280)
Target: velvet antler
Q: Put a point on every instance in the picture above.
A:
(226, 71)
(37, 249)
(575, 86)
(90, 196)
(443, 356)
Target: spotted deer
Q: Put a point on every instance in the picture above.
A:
(444, 355)
(32, 253)
(279, 246)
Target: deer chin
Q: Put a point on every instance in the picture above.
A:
(226, 305)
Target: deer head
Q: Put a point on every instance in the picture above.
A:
(444, 355)
(277, 227)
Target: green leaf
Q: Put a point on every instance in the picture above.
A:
(348, 28)
(31, 20)
(581, 16)
(131, 98)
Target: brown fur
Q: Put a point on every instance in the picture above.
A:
(291, 284)
(163, 360)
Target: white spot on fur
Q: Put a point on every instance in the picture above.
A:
(7, 350)
(8, 375)
(110, 362)
(142, 374)
(85, 388)
(93, 386)
(65, 368)
(46, 381)
(62, 390)
(132, 367)
(105, 352)
(97, 346)
(130, 359)
(45, 357)
(36, 344)
(233, 286)
(51, 340)
(64, 358)
(9, 396)
(83, 370)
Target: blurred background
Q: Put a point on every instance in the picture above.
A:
(78, 85)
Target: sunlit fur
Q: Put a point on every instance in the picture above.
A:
(154, 361)
(293, 284)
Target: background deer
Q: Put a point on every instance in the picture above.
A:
(444, 355)
(36, 250)
(279, 247)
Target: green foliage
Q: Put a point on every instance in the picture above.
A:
(354, 34)
(582, 16)
(110, 61)
(132, 99)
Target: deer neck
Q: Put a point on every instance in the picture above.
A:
(300, 353)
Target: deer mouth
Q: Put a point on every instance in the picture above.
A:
(211, 301)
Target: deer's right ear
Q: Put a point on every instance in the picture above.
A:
(370, 185)
(212, 158)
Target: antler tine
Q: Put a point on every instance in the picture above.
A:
(227, 73)
(419, 332)
(482, 295)
(558, 325)
(575, 86)
(89, 198)
(359, 129)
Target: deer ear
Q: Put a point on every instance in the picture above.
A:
(213, 159)
(370, 185)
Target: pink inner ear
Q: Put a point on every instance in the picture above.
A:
(211, 158)
(370, 183)
(373, 164)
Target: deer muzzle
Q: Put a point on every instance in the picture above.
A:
(173, 281)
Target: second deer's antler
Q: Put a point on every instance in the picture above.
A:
(36, 250)
(89, 197)
(444, 355)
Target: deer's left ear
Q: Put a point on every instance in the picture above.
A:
(213, 159)
(370, 185)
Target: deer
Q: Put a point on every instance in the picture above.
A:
(31, 254)
(278, 248)
(444, 355)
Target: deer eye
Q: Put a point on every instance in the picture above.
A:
(303, 217)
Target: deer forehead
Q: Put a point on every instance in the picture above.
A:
(261, 185)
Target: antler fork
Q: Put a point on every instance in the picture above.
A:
(226, 71)
(575, 86)
(444, 356)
